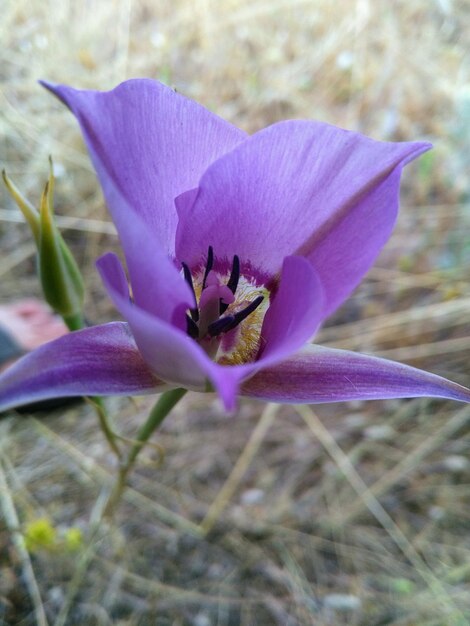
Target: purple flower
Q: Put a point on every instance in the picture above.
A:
(237, 249)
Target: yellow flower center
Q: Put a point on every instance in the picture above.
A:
(229, 313)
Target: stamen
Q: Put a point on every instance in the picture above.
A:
(189, 279)
(192, 328)
(209, 265)
(232, 281)
(243, 314)
(224, 324)
(234, 275)
(220, 325)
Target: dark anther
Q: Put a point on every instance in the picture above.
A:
(209, 265)
(241, 315)
(232, 281)
(189, 279)
(220, 325)
(235, 275)
(224, 324)
(191, 328)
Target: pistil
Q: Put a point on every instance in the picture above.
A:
(211, 298)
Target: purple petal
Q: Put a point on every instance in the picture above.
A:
(317, 375)
(298, 187)
(102, 360)
(170, 353)
(167, 295)
(292, 318)
(295, 313)
(152, 143)
(344, 250)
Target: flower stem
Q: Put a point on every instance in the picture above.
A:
(161, 409)
(100, 410)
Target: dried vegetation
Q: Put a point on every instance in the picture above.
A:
(344, 514)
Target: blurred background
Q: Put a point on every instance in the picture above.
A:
(343, 514)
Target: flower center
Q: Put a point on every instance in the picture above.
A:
(229, 313)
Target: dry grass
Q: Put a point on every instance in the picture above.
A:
(370, 501)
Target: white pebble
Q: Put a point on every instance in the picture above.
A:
(252, 496)
(380, 432)
(345, 60)
(58, 168)
(201, 619)
(456, 463)
(158, 39)
(342, 602)
(436, 513)
(355, 420)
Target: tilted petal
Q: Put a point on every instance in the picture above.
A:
(296, 311)
(291, 320)
(344, 249)
(170, 353)
(298, 187)
(164, 294)
(166, 349)
(102, 360)
(152, 143)
(317, 375)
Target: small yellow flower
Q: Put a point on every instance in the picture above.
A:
(40, 534)
(73, 539)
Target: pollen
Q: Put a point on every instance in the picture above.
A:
(242, 344)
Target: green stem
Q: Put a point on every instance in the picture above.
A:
(105, 426)
(161, 409)
(164, 405)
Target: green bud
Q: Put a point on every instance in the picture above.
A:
(29, 212)
(60, 277)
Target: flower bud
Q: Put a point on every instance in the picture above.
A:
(30, 213)
(60, 277)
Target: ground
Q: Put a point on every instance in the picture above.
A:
(341, 514)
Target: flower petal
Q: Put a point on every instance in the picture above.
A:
(344, 249)
(152, 143)
(164, 294)
(170, 353)
(102, 360)
(292, 318)
(318, 375)
(298, 187)
(295, 313)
